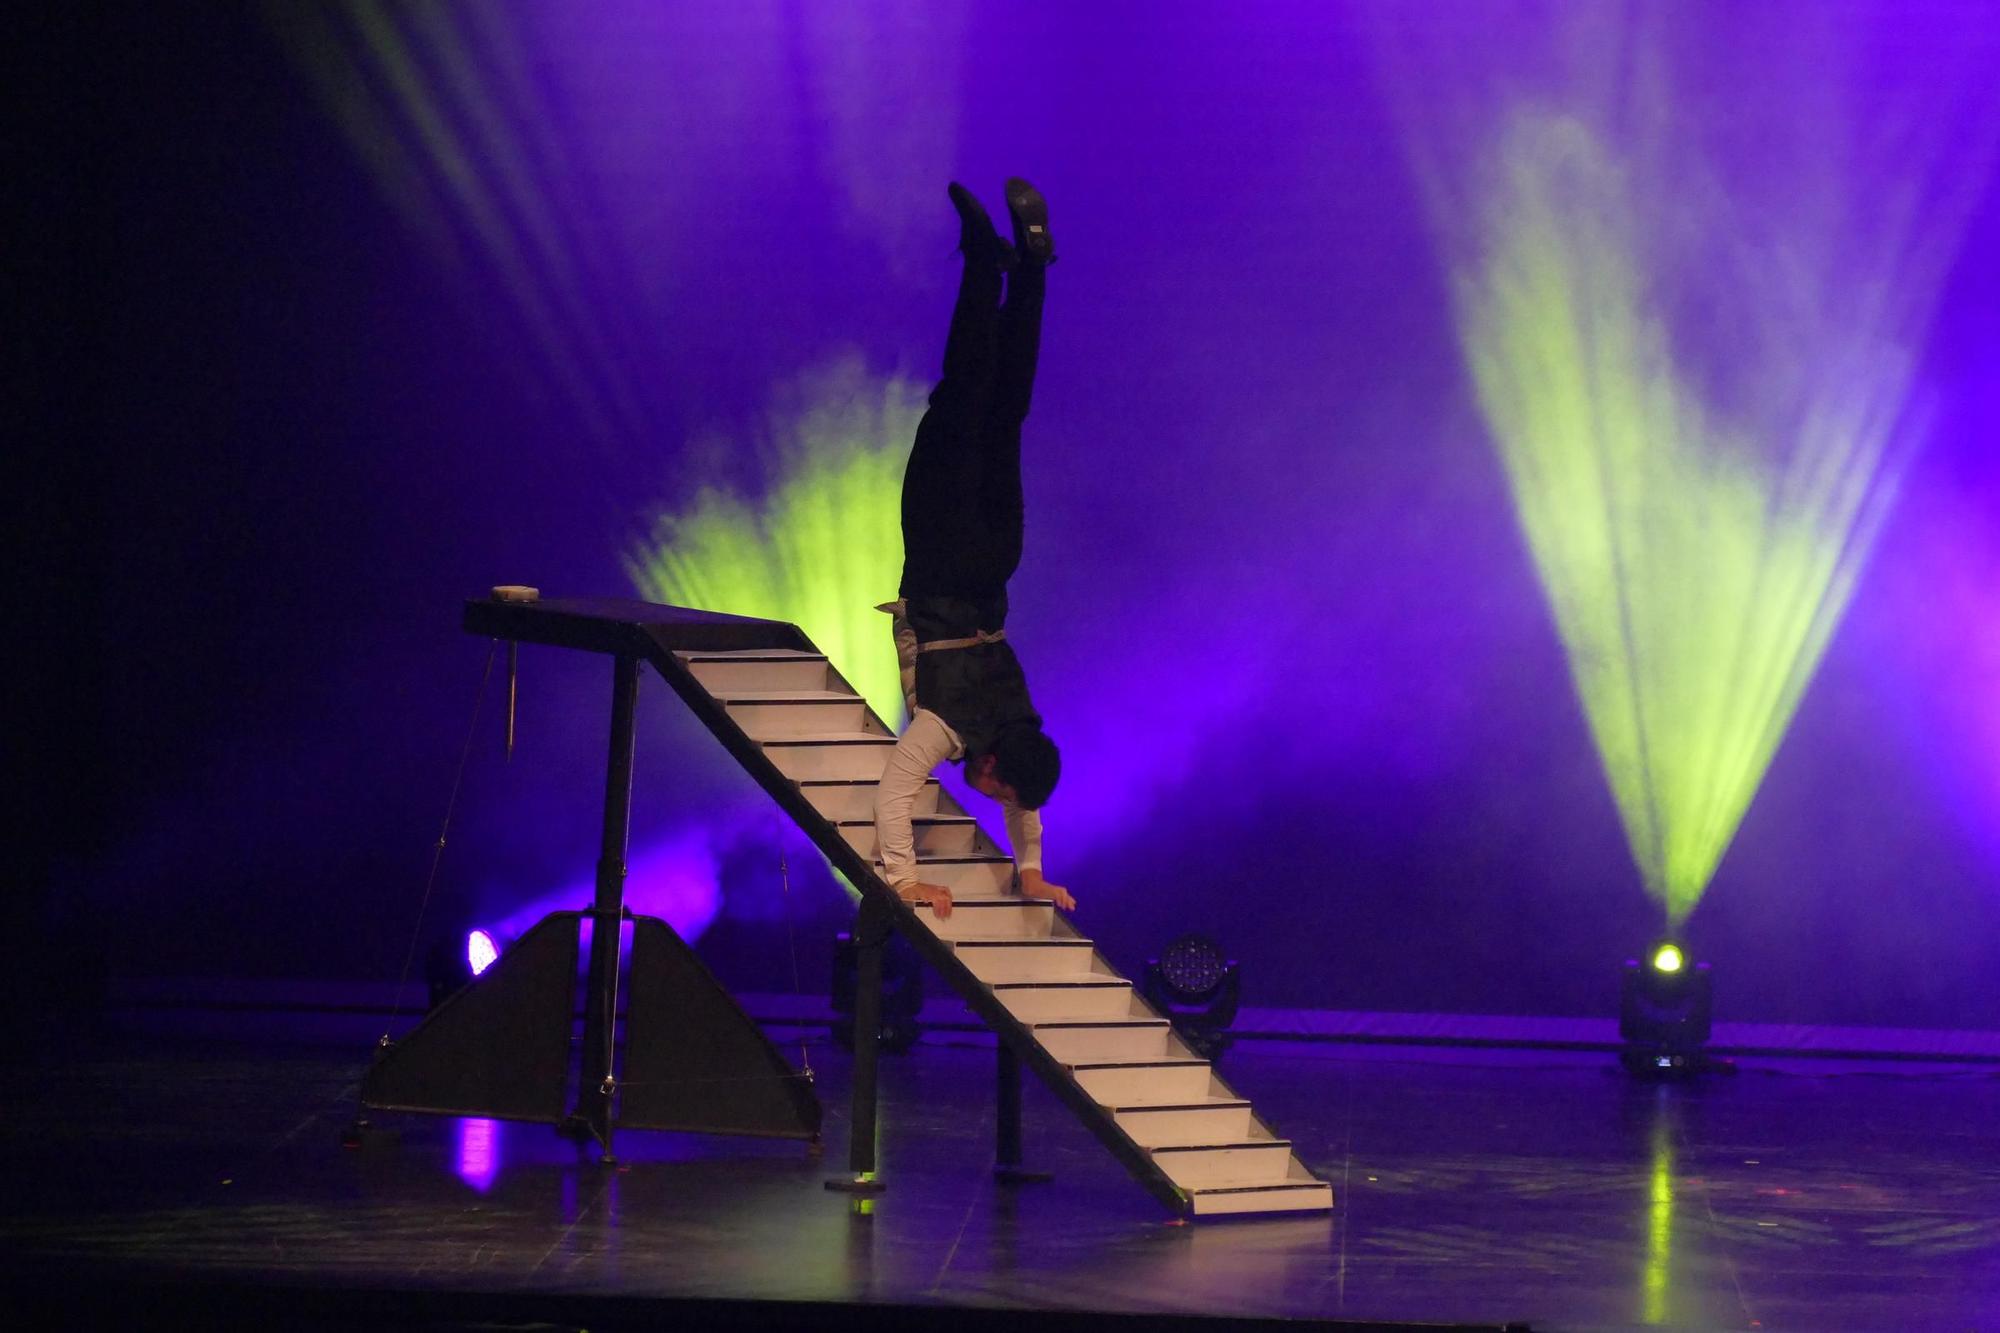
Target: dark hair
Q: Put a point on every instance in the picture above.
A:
(1027, 760)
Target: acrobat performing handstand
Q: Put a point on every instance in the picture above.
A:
(962, 530)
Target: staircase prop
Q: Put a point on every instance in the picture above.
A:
(1059, 1008)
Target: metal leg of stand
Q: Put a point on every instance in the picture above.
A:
(871, 934)
(1007, 1167)
(592, 1113)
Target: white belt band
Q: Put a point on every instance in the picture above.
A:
(984, 636)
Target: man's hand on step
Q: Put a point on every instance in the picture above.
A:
(1034, 886)
(937, 895)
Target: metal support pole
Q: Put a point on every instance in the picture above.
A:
(1007, 1147)
(871, 934)
(600, 1008)
(1007, 1152)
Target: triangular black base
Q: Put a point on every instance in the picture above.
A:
(500, 1046)
(694, 1060)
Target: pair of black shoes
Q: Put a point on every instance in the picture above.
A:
(1030, 214)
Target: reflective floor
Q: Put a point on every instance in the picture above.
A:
(1479, 1187)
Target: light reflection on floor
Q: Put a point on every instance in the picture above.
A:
(1476, 1186)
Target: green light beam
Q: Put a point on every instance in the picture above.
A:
(532, 196)
(400, 83)
(824, 544)
(1691, 310)
(1697, 559)
(1658, 1275)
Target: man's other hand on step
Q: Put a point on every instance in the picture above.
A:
(937, 895)
(1034, 886)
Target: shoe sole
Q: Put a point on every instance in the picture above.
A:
(1030, 214)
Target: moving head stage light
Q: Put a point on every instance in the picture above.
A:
(1196, 989)
(1664, 1010)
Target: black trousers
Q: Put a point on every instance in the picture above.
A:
(962, 513)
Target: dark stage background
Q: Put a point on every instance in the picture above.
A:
(291, 403)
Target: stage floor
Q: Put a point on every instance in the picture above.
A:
(1471, 1186)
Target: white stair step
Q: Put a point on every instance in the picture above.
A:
(779, 714)
(972, 875)
(1107, 1039)
(841, 755)
(999, 917)
(1052, 1001)
(986, 959)
(936, 835)
(1205, 1120)
(1295, 1195)
(1126, 1082)
(854, 798)
(767, 669)
(1249, 1162)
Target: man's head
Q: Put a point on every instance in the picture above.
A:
(1022, 767)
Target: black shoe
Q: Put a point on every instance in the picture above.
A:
(976, 237)
(1031, 222)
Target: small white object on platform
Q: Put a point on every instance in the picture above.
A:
(515, 592)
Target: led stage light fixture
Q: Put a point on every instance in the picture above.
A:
(481, 951)
(460, 958)
(1197, 989)
(1665, 1009)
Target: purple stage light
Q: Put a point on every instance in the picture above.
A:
(677, 879)
(481, 951)
(478, 1148)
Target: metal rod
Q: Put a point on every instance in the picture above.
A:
(1007, 1149)
(1007, 1167)
(593, 1095)
(871, 933)
(513, 689)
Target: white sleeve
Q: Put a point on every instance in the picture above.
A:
(1024, 832)
(927, 743)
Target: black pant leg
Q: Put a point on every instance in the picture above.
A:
(995, 552)
(972, 345)
(943, 481)
(1020, 344)
(1001, 510)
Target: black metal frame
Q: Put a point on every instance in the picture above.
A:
(592, 1112)
(601, 627)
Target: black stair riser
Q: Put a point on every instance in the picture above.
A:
(1071, 1025)
(1023, 943)
(962, 861)
(915, 819)
(1091, 1065)
(1195, 1106)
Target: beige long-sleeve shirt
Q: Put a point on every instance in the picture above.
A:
(928, 742)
